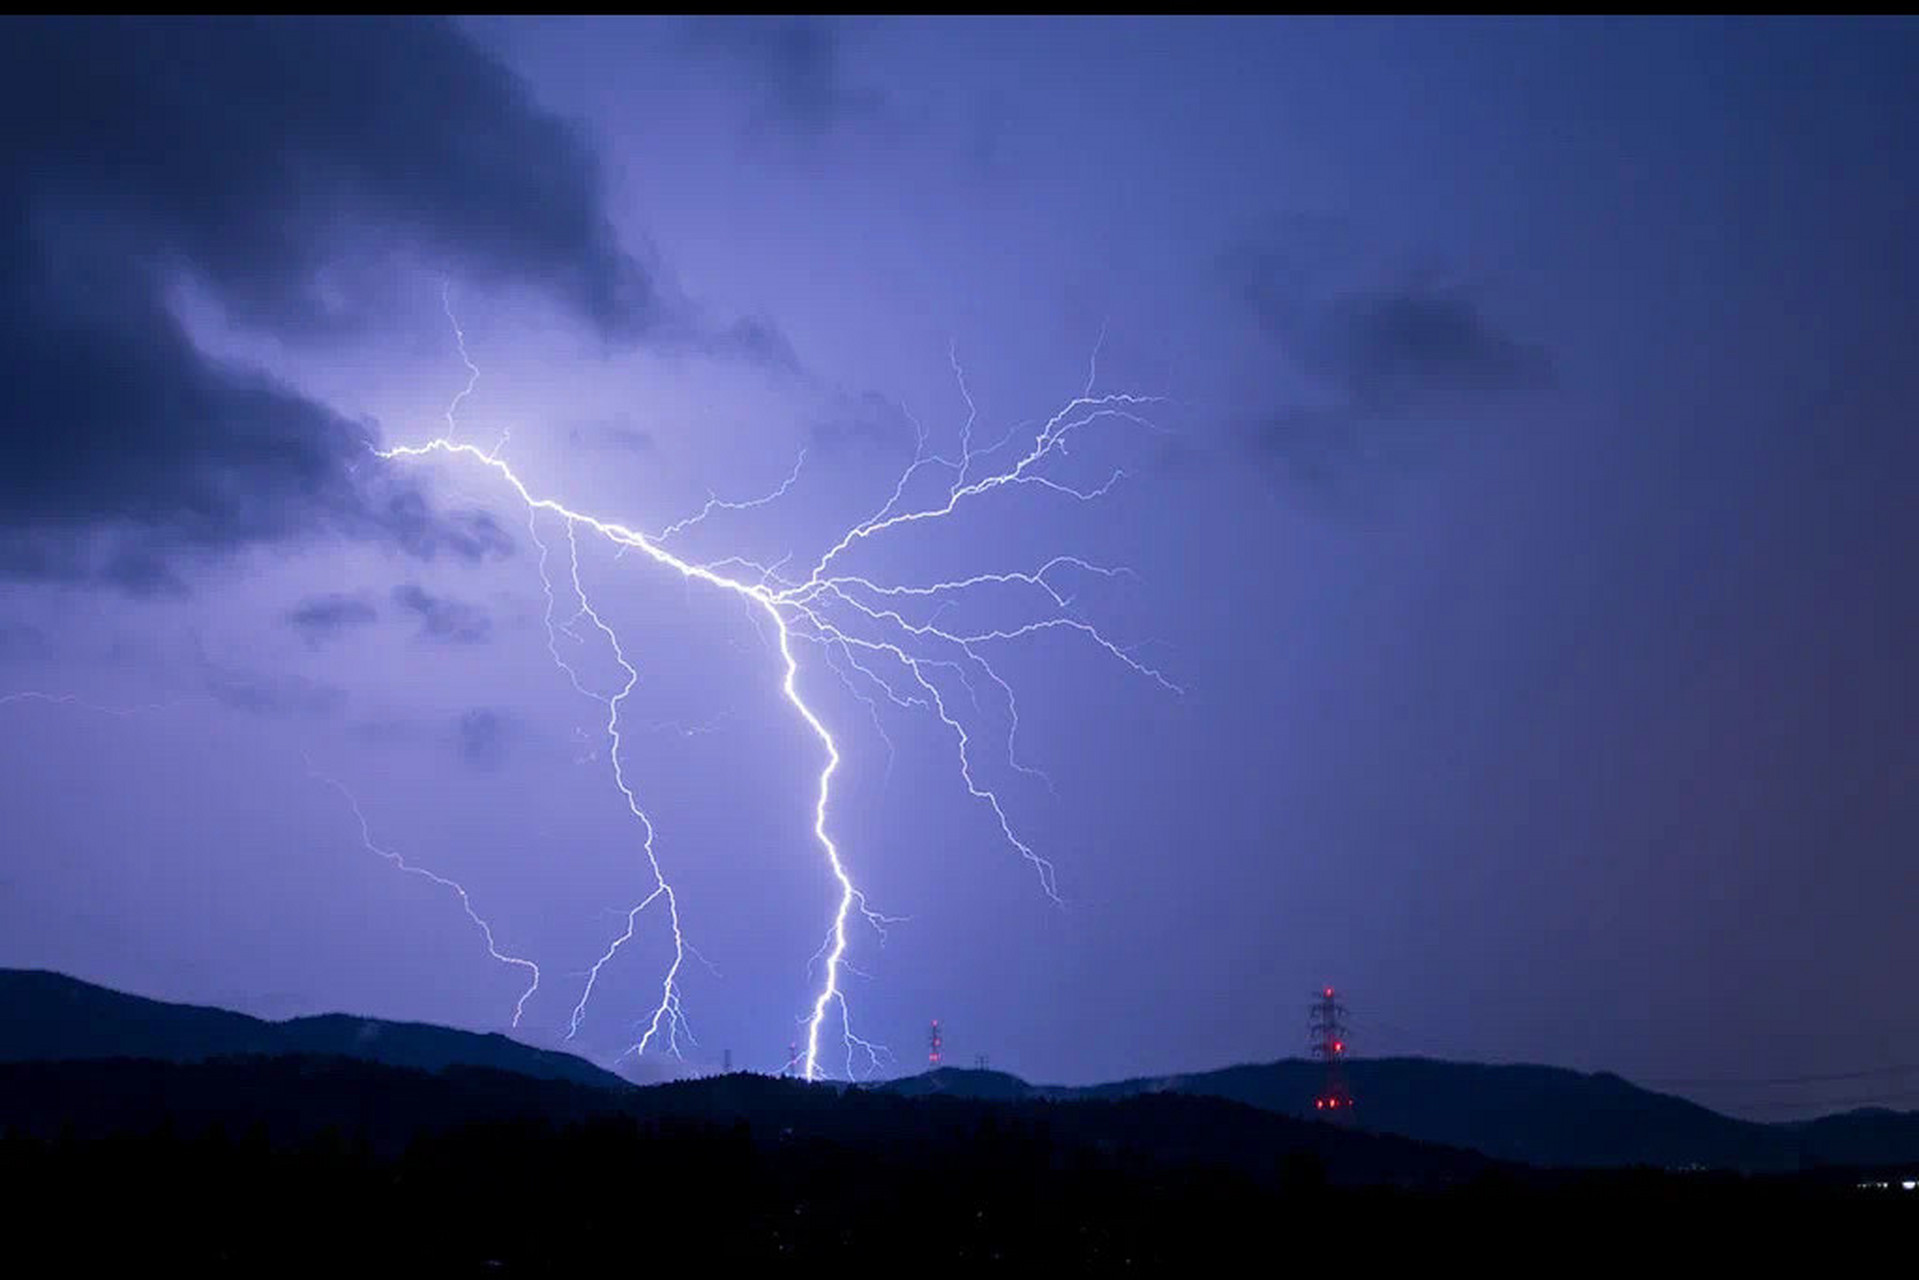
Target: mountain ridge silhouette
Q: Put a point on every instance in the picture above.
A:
(1538, 1116)
(47, 1016)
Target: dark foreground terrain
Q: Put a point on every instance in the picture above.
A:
(143, 1138)
(337, 1167)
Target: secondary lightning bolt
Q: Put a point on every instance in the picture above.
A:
(72, 700)
(466, 903)
(472, 370)
(668, 1010)
(855, 617)
(716, 503)
(366, 831)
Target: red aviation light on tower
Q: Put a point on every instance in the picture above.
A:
(1326, 1028)
(933, 1045)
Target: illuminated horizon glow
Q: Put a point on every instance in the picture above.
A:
(852, 616)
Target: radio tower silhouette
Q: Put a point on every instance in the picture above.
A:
(1326, 1025)
(933, 1046)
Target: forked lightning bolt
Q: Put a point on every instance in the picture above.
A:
(866, 635)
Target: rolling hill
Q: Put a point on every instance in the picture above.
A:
(1542, 1116)
(47, 1017)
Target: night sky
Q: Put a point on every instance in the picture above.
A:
(1521, 522)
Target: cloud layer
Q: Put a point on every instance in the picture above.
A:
(323, 617)
(443, 619)
(273, 164)
(1380, 366)
(796, 71)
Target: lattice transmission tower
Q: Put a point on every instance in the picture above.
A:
(1326, 1027)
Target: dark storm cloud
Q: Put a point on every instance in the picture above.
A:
(444, 619)
(271, 162)
(1389, 370)
(796, 68)
(755, 339)
(323, 617)
(408, 521)
(1390, 349)
(1383, 346)
(482, 736)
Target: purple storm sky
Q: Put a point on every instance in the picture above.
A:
(1526, 520)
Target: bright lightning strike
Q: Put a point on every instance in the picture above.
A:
(859, 625)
